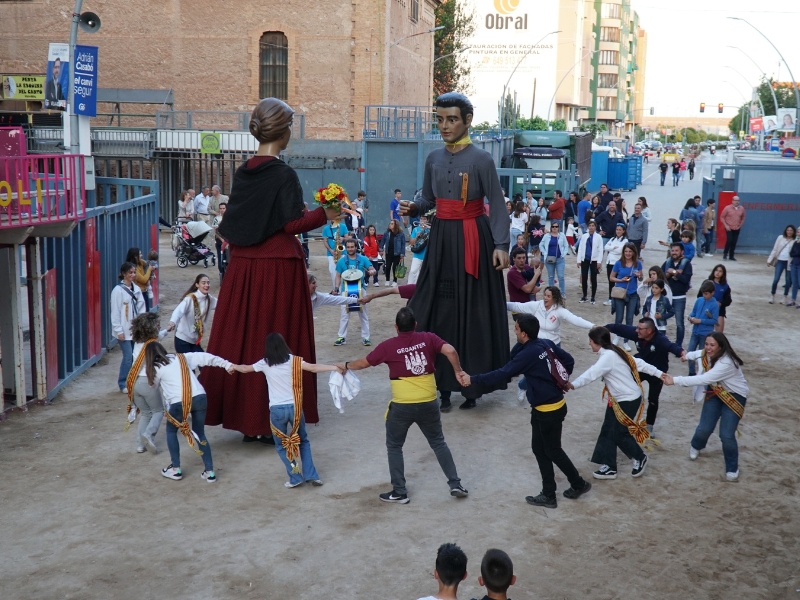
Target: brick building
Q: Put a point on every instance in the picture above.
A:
(327, 58)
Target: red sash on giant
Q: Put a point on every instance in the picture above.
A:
(457, 210)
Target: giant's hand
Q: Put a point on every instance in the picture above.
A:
(407, 209)
(500, 259)
(332, 214)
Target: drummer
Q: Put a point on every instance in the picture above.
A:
(352, 272)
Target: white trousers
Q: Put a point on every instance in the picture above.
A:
(413, 273)
(344, 321)
(332, 271)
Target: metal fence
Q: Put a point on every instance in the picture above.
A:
(399, 123)
(217, 120)
(81, 270)
(40, 195)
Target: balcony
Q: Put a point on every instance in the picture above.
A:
(43, 195)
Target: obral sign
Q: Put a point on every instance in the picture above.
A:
(503, 18)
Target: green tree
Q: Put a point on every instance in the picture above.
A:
(740, 121)
(537, 123)
(594, 127)
(452, 73)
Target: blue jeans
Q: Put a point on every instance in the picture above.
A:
(184, 347)
(795, 281)
(715, 410)
(552, 270)
(514, 234)
(127, 362)
(782, 266)
(282, 418)
(675, 178)
(679, 306)
(198, 414)
(663, 177)
(696, 341)
(708, 242)
(626, 307)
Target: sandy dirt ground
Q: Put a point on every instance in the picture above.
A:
(86, 517)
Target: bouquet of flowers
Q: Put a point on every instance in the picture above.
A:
(332, 196)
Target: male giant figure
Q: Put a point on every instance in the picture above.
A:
(459, 294)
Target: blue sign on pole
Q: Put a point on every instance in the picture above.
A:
(85, 84)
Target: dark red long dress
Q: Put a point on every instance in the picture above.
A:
(265, 289)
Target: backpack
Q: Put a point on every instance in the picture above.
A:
(558, 371)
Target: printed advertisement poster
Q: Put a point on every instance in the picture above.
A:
(23, 87)
(57, 79)
(86, 81)
(756, 124)
(786, 119)
(505, 31)
(770, 123)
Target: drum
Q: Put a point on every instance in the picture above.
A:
(353, 287)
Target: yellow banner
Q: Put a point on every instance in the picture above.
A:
(23, 87)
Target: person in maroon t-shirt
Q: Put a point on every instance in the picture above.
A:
(411, 358)
(522, 282)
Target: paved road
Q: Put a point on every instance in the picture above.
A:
(667, 201)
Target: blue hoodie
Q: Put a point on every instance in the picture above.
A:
(708, 313)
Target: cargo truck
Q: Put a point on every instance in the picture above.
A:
(544, 161)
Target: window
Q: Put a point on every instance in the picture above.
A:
(611, 11)
(607, 80)
(608, 57)
(609, 34)
(606, 103)
(273, 62)
(414, 14)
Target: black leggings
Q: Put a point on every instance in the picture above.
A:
(391, 262)
(611, 284)
(589, 268)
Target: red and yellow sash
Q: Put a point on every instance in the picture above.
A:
(198, 318)
(131, 381)
(721, 393)
(186, 402)
(291, 442)
(638, 426)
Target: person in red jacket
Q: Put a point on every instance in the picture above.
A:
(371, 251)
(555, 212)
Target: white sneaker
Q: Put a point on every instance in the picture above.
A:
(289, 484)
(626, 346)
(387, 284)
(522, 396)
(150, 443)
(394, 284)
(732, 476)
(614, 340)
(607, 302)
(124, 391)
(693, 454)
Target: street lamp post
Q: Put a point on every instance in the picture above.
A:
(392, 45)
(505, 87)
(741, 110)
(757, 95)
(788, 68)
(763, 74)
(580, 60)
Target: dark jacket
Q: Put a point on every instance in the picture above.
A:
(794, 253)
(655, 352)
(679, 284)
(571, 210)
(663, 307)
(608, 222)
(398, 243)
(530, 359)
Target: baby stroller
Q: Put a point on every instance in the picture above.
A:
(191, 248)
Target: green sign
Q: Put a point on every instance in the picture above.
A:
(23, 87)
(210, 142)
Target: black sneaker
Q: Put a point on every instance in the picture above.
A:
(638, 467)
(267, 440)
(396, 498)
(459, 491)
(605, 472)
(582, 300)
(250, 438)
(468, 403)
(574, 494)
(445, 405)
(542, 500)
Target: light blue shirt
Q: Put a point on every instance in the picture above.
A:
(419, 255)
(359, 262)
(330, 235)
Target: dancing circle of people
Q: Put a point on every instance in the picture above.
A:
(258, 375)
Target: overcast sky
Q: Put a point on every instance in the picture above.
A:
(687, 50)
